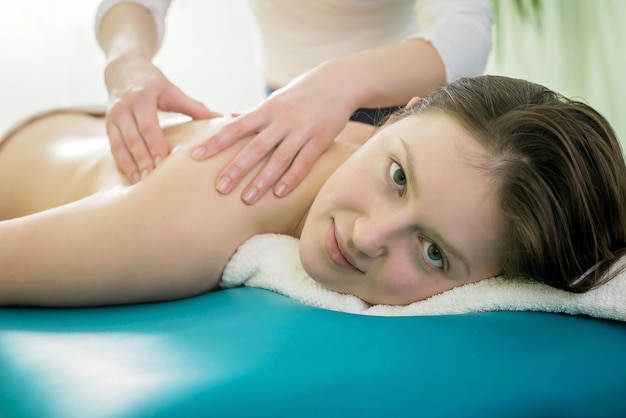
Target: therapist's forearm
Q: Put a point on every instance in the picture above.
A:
(128, 29)
(387, 76)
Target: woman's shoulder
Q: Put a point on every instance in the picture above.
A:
(270, 213)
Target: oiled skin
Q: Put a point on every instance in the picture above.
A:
(108, 242)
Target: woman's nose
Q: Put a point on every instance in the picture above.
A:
(374, 236)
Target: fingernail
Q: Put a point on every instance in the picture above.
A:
(199, 153)
(280, 190)
(158, 160)
(144, 173)
(250, 195)
(223, 184)
(135, 177)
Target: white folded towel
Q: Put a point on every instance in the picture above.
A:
(271, 261)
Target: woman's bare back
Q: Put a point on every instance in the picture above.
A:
(62, 156)
(166, 237)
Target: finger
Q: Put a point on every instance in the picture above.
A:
(278, 163)
(179, 102)
(248, 158)
(299, 168)
(230, 133)
(135, 144)
(151, 132)
(124, 160)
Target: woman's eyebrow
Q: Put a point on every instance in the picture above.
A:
(439, 240)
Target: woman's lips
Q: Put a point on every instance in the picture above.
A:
(334, 250)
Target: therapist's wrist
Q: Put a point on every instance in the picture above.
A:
(116, 69)
(347, 82)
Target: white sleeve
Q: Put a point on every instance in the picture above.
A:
(158, 9)
(460, 31)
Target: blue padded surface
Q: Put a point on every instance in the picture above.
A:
(249, 352)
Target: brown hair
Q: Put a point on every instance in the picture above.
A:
(559, 170)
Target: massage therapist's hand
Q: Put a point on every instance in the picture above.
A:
(295, 124)
(137, 90)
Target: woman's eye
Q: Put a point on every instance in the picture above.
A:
(397, 176)
(432, 254)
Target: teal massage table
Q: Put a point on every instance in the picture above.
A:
(248, 352)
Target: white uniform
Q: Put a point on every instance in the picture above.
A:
(297, 35)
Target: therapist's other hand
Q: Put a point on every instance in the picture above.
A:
(296, 124)
(137, 91)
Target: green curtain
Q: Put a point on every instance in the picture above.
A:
(576, 47)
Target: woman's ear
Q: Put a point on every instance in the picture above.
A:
(415, 100)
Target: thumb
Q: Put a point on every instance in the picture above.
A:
(181, 103)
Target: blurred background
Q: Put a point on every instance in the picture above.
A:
(50, 56)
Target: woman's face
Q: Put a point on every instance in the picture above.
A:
(408, 216)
